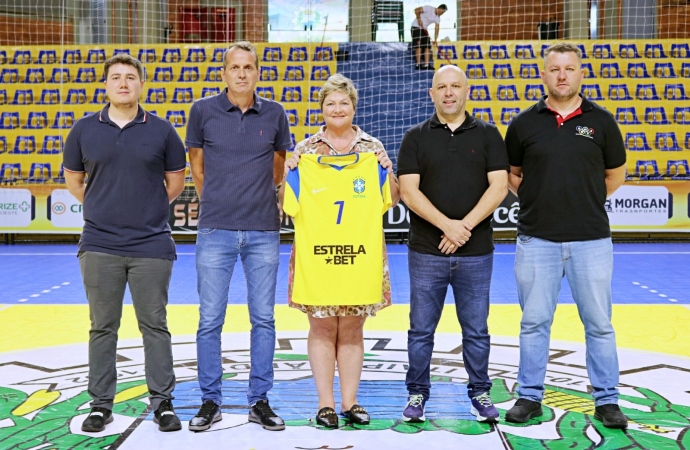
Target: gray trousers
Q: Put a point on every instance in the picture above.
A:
(105, 277)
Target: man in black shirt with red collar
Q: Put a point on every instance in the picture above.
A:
(566, 157)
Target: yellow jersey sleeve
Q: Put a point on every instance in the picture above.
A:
(291, 193)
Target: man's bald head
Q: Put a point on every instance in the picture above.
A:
(455, 70)
(449, 93)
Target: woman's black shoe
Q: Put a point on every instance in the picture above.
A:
(357, 415)
(326, 417)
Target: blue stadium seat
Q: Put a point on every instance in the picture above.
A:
(681, 115)
(582, 50)
(507, 114)
(39, 173)
(687, 141)
(602, 51)
(628, 51)
(529, 71)
(654, 51)
(667, 142)
(178, 118)
(99, 96)
(36, 120)
(156, 95)
(472, 51)
(52, 145)
(291, 94)
(272, 54)
(292, 116)
(95, 56)
(60, 178)
(637, 70)
(23, 97)
(643, 166)
(636, 142)
(318, 73)
(446, 52)
(63, 120)
(610, 70)
(10, 173)
(21, 57)
(588, 70)
(9, 120)
(499, 51)
(163, 74)
(524, 51)
(627, 116)
(591, 92)
(507, 92)
(125, 51)
(297, 54)
(314, 93)
(208, 91)
(484, 114)
(656, 116)
(24, 145)
(86, 75)
(268, 73)
(534, 92)
(60, 75)
(50, 97)
(218, 55)
(47, 57)
(502, 72)
(3, 56)
(476, 71)
(183, 95)
(35, 75)
(685, 70)
(171, 55)
(196, 55)
(675, 92)
(3, 144)
(9, 75)
(479, 92)
(189, 74)
(213, 74)
(71, 56)
(147, 55)
(680, 50)
(266, 92)
(3, 96)
(325, 52)
(664, 70)
(646, 92)
(619, 92)
(673, 167)
(292, 142)
(76, 97)
(313, 117)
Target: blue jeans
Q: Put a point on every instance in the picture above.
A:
(470, 278)
(216, 254)
(539, 268)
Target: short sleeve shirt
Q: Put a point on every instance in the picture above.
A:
(238, 191)
(428, 17)
(126, 208)
(453, 168)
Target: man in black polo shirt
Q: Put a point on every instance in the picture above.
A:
(453, 171)
(135, 163)
(237, 142)
(566, 157)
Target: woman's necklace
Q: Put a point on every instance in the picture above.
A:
(346, 147)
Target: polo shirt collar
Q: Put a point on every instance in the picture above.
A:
(227, 105)
(141, 117)
(469, 122)
(585, 106)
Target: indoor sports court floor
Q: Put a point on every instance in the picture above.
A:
(43, 364)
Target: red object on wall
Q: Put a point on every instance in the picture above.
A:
(192, 24)
(222, 24)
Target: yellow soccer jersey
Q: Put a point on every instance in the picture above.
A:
(337, 203)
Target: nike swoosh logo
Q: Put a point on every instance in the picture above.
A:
(316, 191)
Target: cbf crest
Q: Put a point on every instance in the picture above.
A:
(359, 185)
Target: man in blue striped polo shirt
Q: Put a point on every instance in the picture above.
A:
(237, 142)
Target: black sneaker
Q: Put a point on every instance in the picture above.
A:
(523, 410)
(417, 67)
(208, 414)
(262, 414)
(97, 419)
(611, 416)
(165, 417)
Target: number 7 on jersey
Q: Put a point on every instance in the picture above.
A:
(341, 205)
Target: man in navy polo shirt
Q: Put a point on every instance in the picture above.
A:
(453, 171)
(237, 142)
(135, 163)
(566, 157)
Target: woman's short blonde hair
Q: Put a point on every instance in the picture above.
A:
(339, 83)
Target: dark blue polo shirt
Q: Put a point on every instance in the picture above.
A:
(126, 206)
(238, 191)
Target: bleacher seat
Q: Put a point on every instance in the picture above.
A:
(3, 96)
(680, 50)
(591, 92)
(39, 173)
(156, 95)
(646, 92)
(507, 114)
(507, 92)
(208, 91)
(213, 74)
(675, 92)
(628, 51)
(196, 55)
(99, 96)
(472, 51)
(502, 72)
(163, 74)
(10, 173)
(314, 93)
(291, 94)
(534, 92)
(643, 166)
(636, 142)
(24, 145)
(118, 51)
(23, 97)
(171, 55)
(610, 70)
(3, 56)
(476, 71)
(9, 75)
(479, 92)
(667, 142)
(325, 53)
(85, 75)
(499, 51)
(654, 51)
(664, 70)
(583, 50)
(71, 56)
(272, 54)
(35, 75)
(3, 144)
(50, 97)
(446, 52)
(637, 70)
(313, 117)
(687, 141)
(266, 92)
(685, 70)
(318, 73)
(60, 75)
(588, 70)
(268, 73)
(36, 120)
(63, 120)
(21, 57)
(627, 116)
(673, 167)
(52, 145)
(46, 57)
(178, 118)
(524, 51)
(95, 56)
(292, 116)
(656, 116)
(297, 54)
(147, 55)
(76, 97)
(619, 92)
(9, 120)
(183, 95)
(218, 55)
(529, 71)
(60, 178)
(484, 114)
(681, 115)
(602, 51)
(189, 74)
(292, 142)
